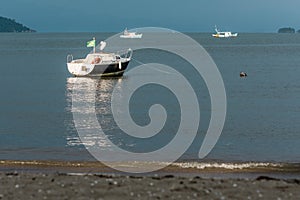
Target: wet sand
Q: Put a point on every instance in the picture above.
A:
(91, 180)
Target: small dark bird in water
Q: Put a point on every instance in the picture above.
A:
(243, 74)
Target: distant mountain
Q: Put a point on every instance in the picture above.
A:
(286, 30)
(10, 25)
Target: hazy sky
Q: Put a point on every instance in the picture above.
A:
(186, 15)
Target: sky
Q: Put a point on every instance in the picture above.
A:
(183, 15)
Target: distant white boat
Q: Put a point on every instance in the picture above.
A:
(224, 34)
(127, 34)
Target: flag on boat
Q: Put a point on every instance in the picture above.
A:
(91, 43)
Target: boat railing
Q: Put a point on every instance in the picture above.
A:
(126, 53)
(69, 58)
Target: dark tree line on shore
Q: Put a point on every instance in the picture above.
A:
(288, 30)
(10, 25)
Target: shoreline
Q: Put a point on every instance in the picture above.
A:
(248, 170)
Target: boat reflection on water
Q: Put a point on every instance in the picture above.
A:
(90, 106)
(83, 91)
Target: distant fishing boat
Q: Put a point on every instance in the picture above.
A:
(127, 34)
(223, 34)
(100, 63)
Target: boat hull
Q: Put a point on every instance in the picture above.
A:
(225, 36)
(113, 69)
(138, 36)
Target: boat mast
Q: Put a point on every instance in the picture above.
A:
(94, 44)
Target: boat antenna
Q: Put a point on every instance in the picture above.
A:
(216, 29)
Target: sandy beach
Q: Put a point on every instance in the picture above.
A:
(74, 180)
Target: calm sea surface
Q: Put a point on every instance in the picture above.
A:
(263, 110)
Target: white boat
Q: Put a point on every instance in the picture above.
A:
(224, 34)
(100, 63)
(127, 34)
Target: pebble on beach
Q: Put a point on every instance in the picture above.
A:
(38, 186)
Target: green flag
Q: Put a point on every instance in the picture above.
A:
(91, 43)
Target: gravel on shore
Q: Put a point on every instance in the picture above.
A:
(14, 185)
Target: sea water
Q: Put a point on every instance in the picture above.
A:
(263, 109)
